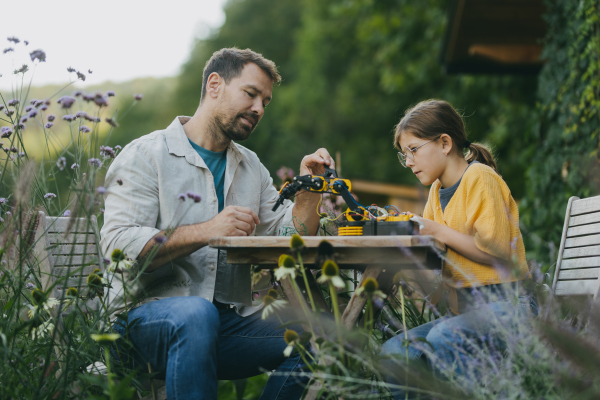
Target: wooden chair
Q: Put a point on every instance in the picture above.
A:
(578, 264)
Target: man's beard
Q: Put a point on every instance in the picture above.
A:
(235, 129)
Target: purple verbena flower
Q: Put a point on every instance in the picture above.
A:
(28, 108)
(38, 54)
(181, 196)
(120, 181)
(138, 96)
(9, 112)
(77, 93)
(26, 42)
(80, 76)
(66, 101)
(100, 190)
(44, 107)
(75, 166)
(8, 49)
(87, 97)
(160, 239)
(102, 211)
(111, 122)
(81, 114)
(39, 103)
(33, 101)
(84, 129)
(19, 126)
(194, 196)
(49, 196)
(117, 147)
(22, 154)
(6, 149)
(14, 149)
(5, 132)
(61, 163)
(110, 93)
(2, 201)
(88, 117)
(107, 152)
(69, 117)
(51, 117)
(100, 100)
(70, 69)
(24, 68)
(94, 162)
(13, 102)
(1, 107)
(13, 39)
(29, 285)
(47, 102)
(48, 125)
(24, 119)
(33, 113)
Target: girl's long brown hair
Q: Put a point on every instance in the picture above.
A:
(430, 118)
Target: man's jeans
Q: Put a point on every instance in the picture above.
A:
(191, 345)
(448, 339)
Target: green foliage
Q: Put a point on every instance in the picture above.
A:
(563, 148)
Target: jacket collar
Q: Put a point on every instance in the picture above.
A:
(179, 145)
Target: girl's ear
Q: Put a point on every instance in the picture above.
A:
(447, 143)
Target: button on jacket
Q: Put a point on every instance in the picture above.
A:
(155, 169)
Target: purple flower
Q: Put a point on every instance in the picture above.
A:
(81, 114)
(120, 182)
(69, 117)
(8, 213)
(14, 149)
(6, 149)
(28, 108)
(19, 126)
(110, 93)
(2, 201)
(87, 97)
(8, 49)
(94, 162)
(49, 196)
(1, 107)
(75, 166)
(194, 196)
(44, 107)
(89, 118)
(33, 113)
(13, 39)
(100, 100)
(38, 54)
(9, 112)
(107, 152)
(77, 93)
(80, 76)
(47, 102)
(5, 132)
(84, 129)
(138, 96)
(117, 147)
(181, 196)
(66, 101)
(13, 102)
(70, 69)
(24, 119)
(51, 117)
(26, 42)
(100, 190)
(24, 68)
(111, 122)
(29, 285)
(89, 71)
(22, 154)
(62, 162)
(160, 239)
(102, 211)
(48, 125)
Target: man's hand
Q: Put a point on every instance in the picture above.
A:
(312, 164)
(232, 221)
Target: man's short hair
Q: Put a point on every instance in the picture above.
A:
(229, 62)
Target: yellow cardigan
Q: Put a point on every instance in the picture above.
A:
(483, 207)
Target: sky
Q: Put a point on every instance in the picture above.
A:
(116, 40)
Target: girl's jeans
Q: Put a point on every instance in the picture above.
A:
(191, 345)
(446, 344)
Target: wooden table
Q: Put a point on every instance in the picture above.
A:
(379, 257)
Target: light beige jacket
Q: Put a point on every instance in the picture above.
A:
(155, 169)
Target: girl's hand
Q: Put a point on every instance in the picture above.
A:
(428, 227)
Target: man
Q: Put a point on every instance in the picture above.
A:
(196, 323)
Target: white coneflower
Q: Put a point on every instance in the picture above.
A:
(331, 273)
(105, 339)
(291, 338)
(370, 287)
(119, 261)
(272, 303)
(42, 330)
(287, 266)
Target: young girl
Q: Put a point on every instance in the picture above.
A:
(471, 210)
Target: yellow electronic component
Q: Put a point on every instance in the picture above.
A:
(401, 217)
(354, 216)
(350, 231)
(332, 190)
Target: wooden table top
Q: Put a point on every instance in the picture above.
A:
(350, 249)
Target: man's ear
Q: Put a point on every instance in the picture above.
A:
(447, 143)
(213, 85)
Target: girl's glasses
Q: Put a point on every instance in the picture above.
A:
(410, 153)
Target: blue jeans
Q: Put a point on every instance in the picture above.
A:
(191, 345)
(444, 346)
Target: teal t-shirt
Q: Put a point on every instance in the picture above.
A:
(216, 163)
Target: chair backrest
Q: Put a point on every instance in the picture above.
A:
(578, 264)
(68, 248)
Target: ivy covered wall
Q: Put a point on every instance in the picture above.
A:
(562, 150)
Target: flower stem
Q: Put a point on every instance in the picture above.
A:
(310, 297)
(405, 335)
